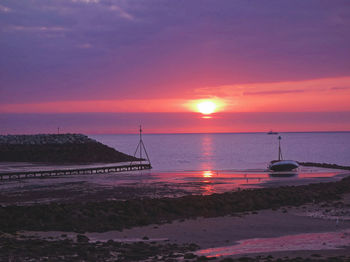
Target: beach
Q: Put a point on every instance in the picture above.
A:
(140, 184)
(213, 234)
(176, 213)
(316, 229)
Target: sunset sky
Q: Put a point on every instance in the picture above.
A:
(105, 66)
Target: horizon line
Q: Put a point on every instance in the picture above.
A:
(179, 133)
(190, 133)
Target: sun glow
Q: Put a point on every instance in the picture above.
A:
(206, 107)
(207, 174)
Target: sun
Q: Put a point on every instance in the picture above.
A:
(206, 107)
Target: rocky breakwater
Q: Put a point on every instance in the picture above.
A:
(58, 148)
(324, 165)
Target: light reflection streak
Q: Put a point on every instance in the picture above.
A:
(207, 152)
(224, 181)
(308, 241)
(208, 189)
(315, 175)
(207, 174)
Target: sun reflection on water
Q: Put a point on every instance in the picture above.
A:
(207, 174)
(207, 152)
(208, 190)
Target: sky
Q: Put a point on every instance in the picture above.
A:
(105, 66)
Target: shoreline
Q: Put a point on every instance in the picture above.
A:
(23, 166)
(298, 236)
(148, 184)
(97, 216)
(183, 227)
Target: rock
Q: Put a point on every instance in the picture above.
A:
(189, 256)
(82, 239)
(64, 148)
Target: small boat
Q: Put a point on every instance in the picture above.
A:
(281, 165)
(272, 133)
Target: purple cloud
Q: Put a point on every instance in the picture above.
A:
(94, 123)
(273, 92)
(84, 49)
(340, 88)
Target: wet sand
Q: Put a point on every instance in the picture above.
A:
(288, 232)
(222, 231)
(140, 184)
(322, 228)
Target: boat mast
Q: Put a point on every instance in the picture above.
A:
(280, 157)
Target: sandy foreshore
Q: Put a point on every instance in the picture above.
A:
(317, 227)
(221, 231)
(141, 184)
(286, 232)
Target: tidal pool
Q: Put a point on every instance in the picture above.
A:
(309, 241)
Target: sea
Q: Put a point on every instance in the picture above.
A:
(201, 164)
(232, 151)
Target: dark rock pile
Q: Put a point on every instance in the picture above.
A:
(60, 148)
(12, 249)
(32, 249)
(324, 165)
(45, 139)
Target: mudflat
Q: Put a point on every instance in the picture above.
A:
(308, 221)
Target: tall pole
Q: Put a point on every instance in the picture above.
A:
(279, 149)
(141, 147)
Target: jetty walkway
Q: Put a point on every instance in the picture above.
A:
(73, 171)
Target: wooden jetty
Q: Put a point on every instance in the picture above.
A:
(139, 165)
(75, 171)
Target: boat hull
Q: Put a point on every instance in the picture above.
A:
(282, 173)
(283, 165)
(272, 133)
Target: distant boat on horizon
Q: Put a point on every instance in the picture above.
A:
(280, 164)
(272, 133)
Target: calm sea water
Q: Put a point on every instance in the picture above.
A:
(232, 151)
(201, 164)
